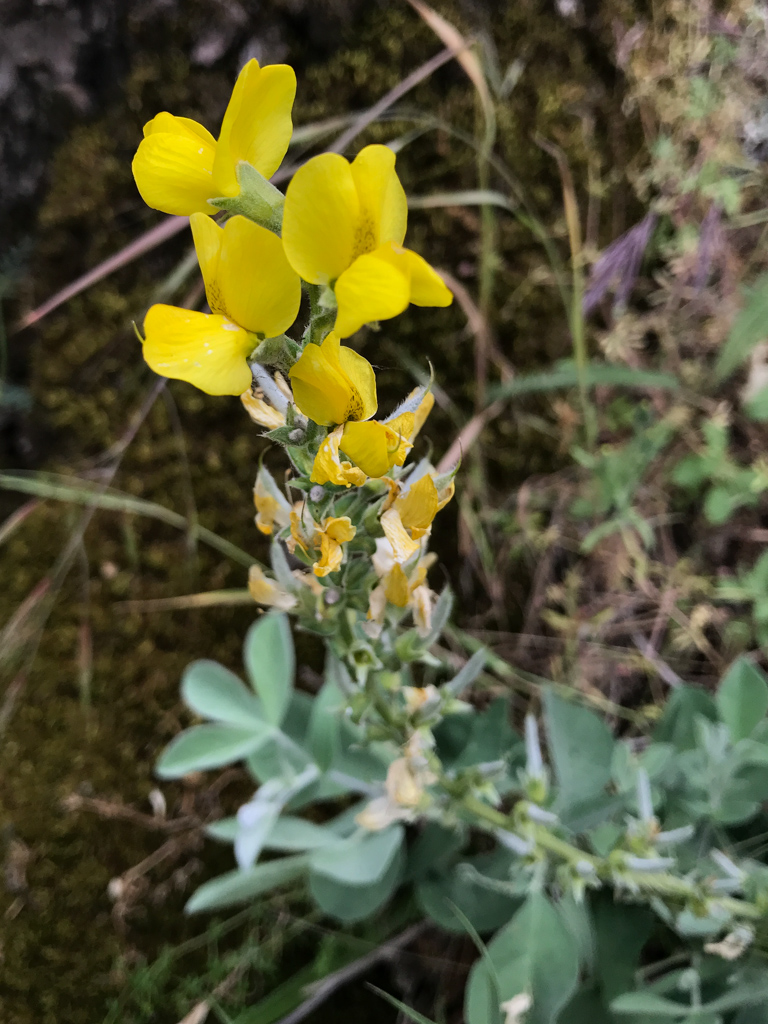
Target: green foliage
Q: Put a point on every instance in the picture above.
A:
(728, 486)
(749, 329)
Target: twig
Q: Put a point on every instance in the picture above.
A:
(324, 989)
(650, 654)
(121, 812)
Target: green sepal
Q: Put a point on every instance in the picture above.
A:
(258, 199)
(280, 352)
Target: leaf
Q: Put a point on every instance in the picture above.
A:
(581, 748)
(325, 725)
(742, 698)
(650, 1004)
(467, 674)
(270, 662)
(621, 932)
(363, 859)
(290, 833)
(749, 329)
(484, 906)
(209, 746)
(586, 1007)
(756, 407)
(354, 903)
(241, 886)
(565, 374)
(677, 723)
(214, 692)
(534, 953)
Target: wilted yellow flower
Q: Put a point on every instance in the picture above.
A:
(403, 586)
(329, 467)
(265, 591)
(252, 292)
(334, 532)
(307, 535)
(262, 412)
(179, 165)
(343, 227)
(272, 507)
(419, 501)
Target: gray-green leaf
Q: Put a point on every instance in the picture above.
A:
(209, 746)
(742, 698)
(534, 953)
(214, 692)
(270, 662)
(241, 886)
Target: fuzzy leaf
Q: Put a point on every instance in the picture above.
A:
(241, 886)
(534, 953)
(214, 692)
(270, 662)
(209, 746)
(742, 698)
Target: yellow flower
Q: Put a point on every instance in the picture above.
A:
(419, 502)
(333, 384)
(272, 507)
(265, 591)
(343, 227)
(251, 290)
(334, 532)
(329, 537)
(179, 165)
(329, 467)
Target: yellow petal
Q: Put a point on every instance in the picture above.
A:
(383, 206)
(403, 425)
(320, 390)
(421, 606)
(259, 290)
(331, 555)
(257, 123)
(446, 494)
(272, 508)
(360, 374)
(329, 468)
(208, 238)
(373, 288)
(332, 383)
(203, 349)
(173, 172)
(374, 447)
(262, 412)
(340, 528)
(265, 591)
(396, 587)
(422, 412)
(169, 123)
(320, 218)
(425, 286)
(418, 506)
(402, 545)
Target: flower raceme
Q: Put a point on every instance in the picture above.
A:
(343, 228)
(179, 166)
(252, 292)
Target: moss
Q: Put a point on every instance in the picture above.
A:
(88, 379)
